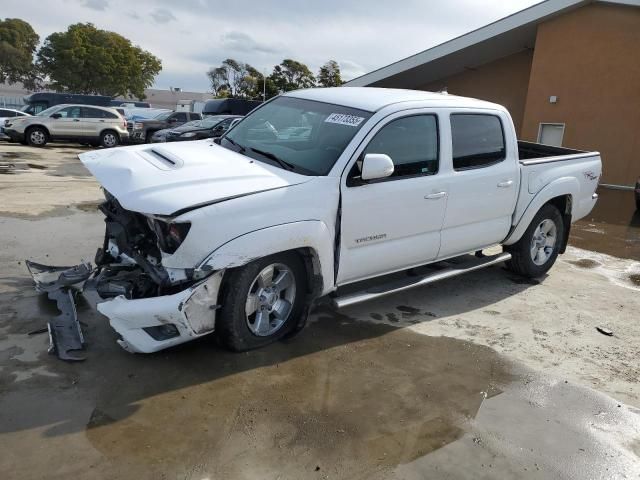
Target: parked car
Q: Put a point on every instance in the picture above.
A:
(144, 129)
(210, 127)
(229, 106)
(6, 114)
(637, 194)
(242, 236)
(78, 123)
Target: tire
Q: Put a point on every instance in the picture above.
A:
(526, 259)
(109, 139)
(147, 137)
(244, 288)
(37, 137)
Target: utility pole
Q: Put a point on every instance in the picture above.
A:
(264, 84)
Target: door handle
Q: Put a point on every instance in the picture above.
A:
(505, 184)
(435, 196)
(76, 119)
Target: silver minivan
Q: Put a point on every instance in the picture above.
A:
(78, 123)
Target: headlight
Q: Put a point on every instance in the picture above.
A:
(170, 235)
(188, 134)
(138, 126)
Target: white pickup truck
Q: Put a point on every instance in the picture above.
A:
(324, 192)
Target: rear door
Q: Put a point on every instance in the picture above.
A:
(93, 119)
(484, 183)
(394, 223)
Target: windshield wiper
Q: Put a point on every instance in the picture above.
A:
(241, 149)
(284, 164)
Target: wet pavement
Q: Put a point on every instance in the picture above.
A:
(483, 376)
(344, 399)
(613, 227)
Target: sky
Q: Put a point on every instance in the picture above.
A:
(191, 36)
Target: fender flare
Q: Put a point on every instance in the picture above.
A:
(558, 188)
(313, 235)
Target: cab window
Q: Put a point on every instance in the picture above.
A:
(477, 140)
(412, 144)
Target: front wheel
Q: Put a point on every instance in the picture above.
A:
(536, 252)
(37, 137)
(262, 302)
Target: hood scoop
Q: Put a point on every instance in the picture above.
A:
(161, 158)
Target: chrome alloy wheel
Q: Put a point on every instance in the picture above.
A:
(544, 241)
(270, 299)
(109, 140)
(37, 137)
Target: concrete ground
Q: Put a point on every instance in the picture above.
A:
(481, 376)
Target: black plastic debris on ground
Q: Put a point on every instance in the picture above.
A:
(61, 285)
(605, 331)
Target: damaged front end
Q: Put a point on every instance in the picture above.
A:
(150, 306)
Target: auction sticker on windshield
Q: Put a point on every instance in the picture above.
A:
(343, 119)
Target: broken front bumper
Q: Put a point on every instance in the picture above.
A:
(150, 324)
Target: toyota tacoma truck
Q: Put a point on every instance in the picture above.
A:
(342, 193)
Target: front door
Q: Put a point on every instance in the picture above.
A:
(69, 124)
(484, 183)
(393, 223)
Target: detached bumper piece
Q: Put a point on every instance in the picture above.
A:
(61, 284)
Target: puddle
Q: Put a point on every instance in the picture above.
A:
(10, 168)
(585, 263)
(90, 206)
(72, 169)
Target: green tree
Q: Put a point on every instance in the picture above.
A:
(85, 59)
(292, 75)
(329, 75)
(235, 79)
(18, 43)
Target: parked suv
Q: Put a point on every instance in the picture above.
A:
(81, 123)
(143, 130)
(6, 114)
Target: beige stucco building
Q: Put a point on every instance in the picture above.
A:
(567, 70)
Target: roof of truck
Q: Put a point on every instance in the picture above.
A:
(373, 99)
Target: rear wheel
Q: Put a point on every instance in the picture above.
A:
(536, 252)
(262, 302)
(109, 139)
(37, 137)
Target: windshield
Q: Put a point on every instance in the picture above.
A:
(211, 122)
(301, 135)
(48, 111)
(192, 123)
(163, 116)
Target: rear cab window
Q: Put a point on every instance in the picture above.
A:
(477, 140)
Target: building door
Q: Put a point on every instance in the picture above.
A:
(551, 134)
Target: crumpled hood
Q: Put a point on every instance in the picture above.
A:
(166, 179)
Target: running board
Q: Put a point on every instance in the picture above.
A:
(411, 282)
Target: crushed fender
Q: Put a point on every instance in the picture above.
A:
(61, 285)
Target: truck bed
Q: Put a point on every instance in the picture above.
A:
(532, 150)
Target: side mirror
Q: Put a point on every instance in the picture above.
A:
(376, 165)
(56, 115)
(173, 120)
